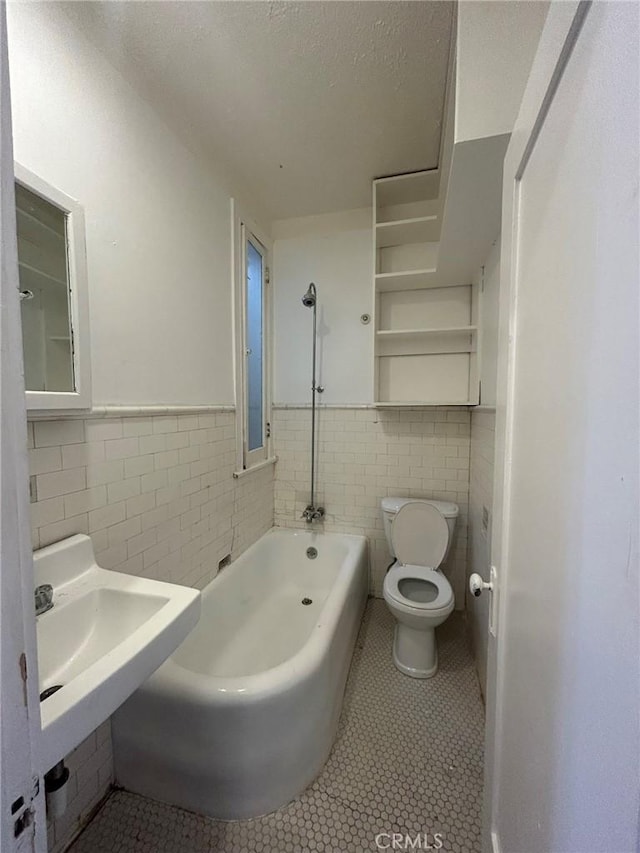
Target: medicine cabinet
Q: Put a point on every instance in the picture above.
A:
(53, 295)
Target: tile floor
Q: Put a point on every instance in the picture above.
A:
(407, 759)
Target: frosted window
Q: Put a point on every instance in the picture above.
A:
(44, 287)
(254, 321)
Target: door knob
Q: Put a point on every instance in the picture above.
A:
(477, 585)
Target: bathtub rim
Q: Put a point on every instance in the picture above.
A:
(236, 689)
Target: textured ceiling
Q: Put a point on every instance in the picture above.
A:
(306, 101)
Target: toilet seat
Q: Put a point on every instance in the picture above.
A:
(442, 595)
(420, 535)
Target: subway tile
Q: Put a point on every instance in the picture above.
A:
(85, 501)
(106, 516)
(62, 529)
(176, 440)
(60, 483)
(137, 426)
(114, 556)
(140, 504)
(137, 465)
(108, 429)
(44, 460)
(123, 489)
(87, 453)
(121, 448)
(152, 444)
(52, 433)
(153, 481)
(45, 512)
(122, 532)
(103, 473)
(162, 424)
(142, 542)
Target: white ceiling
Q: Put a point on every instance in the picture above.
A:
(307, 101)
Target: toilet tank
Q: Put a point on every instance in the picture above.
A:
(390, 507)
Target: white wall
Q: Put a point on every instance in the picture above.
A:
(336, 252)
(481, 468)
(157, 217)
(489, 326)
(496, 42)
(481, 464)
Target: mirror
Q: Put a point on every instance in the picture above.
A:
(44, 293)
(51, 269)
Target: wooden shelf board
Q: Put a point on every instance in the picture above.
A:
(405, 189)
(388, 334)
(400, 232)
(417, 404)
(387, 282)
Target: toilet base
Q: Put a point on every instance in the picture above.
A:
(415, 652)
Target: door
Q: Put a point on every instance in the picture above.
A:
(563, 751)
(22, 825)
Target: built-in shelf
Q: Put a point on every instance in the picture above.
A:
(41, 274)
(420, 229)
(386, 282)
(426, 341)
(392, 334)
(421, 404)
(405, 189)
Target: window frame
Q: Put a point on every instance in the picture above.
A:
(78, 298)
(244, 231)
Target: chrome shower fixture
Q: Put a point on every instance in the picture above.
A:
(309, 299)
(311, 511)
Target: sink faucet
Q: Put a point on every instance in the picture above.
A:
(44, 598)
(313, 513)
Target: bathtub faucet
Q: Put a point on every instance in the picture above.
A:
(313, 513)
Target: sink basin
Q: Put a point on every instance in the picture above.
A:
(105, 635)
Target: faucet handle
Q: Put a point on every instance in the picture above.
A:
(44, 598)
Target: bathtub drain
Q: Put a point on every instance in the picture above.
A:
(307, 601)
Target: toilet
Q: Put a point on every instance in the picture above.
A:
(419, 534)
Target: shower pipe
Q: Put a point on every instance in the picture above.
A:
(312, 512)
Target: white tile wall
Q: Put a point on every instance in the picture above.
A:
(365, 455)
(480, 496)
(157, 496)
(155, 493)
(91, 775)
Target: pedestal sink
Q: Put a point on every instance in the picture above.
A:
(104, 636)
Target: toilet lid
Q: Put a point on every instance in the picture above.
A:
(419, 535)
(419, 587)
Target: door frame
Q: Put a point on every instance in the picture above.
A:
(22, 790)
(243, 230)
(561, 31)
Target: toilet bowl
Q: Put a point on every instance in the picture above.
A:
(417, 594)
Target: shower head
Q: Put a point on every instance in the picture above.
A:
(309, 299)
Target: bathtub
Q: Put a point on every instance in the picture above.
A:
(242, 717)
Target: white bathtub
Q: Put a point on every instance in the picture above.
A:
(243, 716)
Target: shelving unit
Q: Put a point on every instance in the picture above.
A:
(399, 232)
(426, 335)
(401, 334)
(406, 280)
